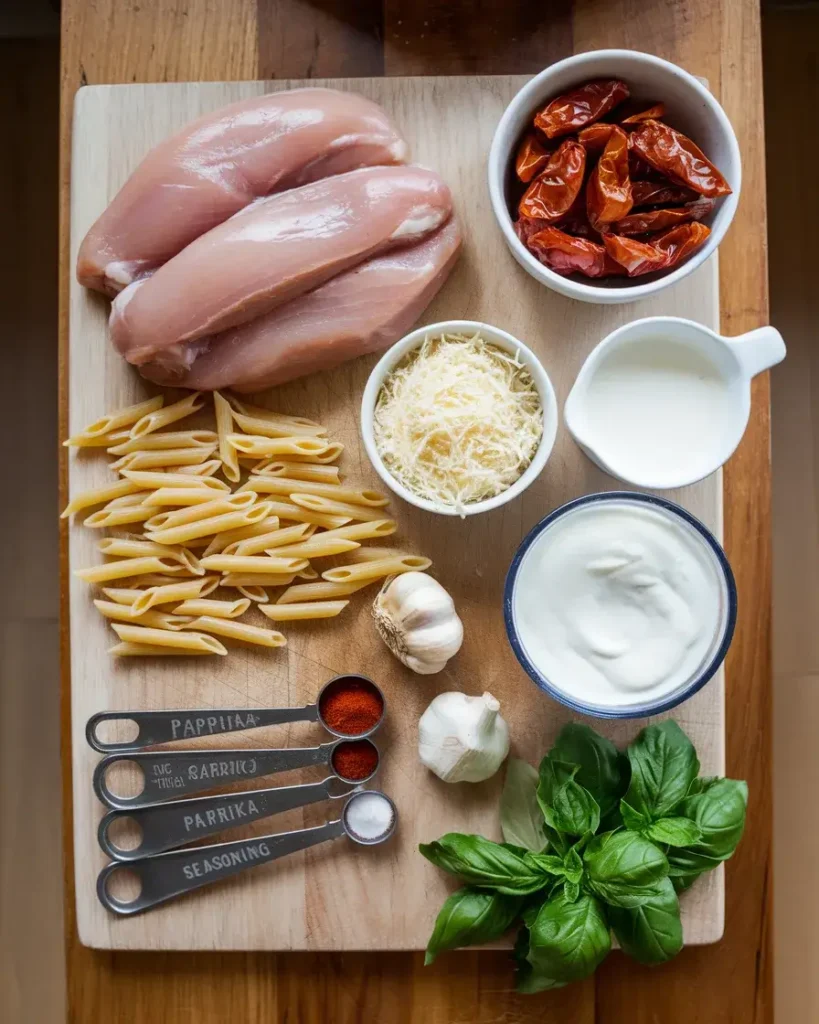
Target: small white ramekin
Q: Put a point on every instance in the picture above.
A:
(494, 336)
(691, 109)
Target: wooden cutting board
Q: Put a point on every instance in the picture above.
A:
(337, 897)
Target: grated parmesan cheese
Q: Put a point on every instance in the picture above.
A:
(458, 420)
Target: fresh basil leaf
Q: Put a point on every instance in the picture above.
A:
(560, 843)
(652, 932)
(573, 865)
(470, 917)
(480, 862)
(567, 941)
(603, 770)
(623, 868)
(547, 862)
(683, 882)
(571, 890)
(521, 818)
(663, 766)
(567, 806)
(632, 819)
(719, 811)
(674, 832)
(527, 979)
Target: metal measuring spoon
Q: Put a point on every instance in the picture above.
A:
(166, 826)
(169, 726)
(176, 773)
(171, 874)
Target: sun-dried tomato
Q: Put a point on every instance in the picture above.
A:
(576, 221)
(531, 158)
(675, 155)
(566, 254)
(681, 241)
(660, 253)
(566, 114)
(655, 193)
(595, 136)
(653, 113)
(525, 227)
(662, 219)
(608, 192)
(552, 193)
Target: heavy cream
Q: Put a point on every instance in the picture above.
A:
(619, 602)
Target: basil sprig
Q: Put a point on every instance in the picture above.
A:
(596, 841)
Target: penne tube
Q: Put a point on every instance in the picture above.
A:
(330, 454)
(203, 510)
(298, 612)
(257, 579)
(320, 546)
(322, 591)
(253, 563)
(238, 631)
(178, 496)
(158, 579)
(174, 593)
(275, 539)
(224, 427)
(269, 427)
(122, 595)
(308, 573)
(285, 509)
(377, 569)
(125, 613)
(115, 421)
(223, 540)
(127, 548)
(270, 415)
(181, 640)
(253, 593)
(364, 531)
(158, 418)
(213, 524)
(299, 471)
(209, 468)
(126, 501)
(370, 554)
(168, 439)
(127, 567)
(252, 444)
(161, 457)
(153, 480)
(99, 496)
(215, 609)
(130, 650)
(98, 441)
(118, 517)
(334, 492)
(320, 505)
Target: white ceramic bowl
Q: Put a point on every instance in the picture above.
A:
(496, 337)
(690, 108)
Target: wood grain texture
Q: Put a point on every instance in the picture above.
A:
(726, 983)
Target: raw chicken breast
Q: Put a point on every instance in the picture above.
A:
(363, 310)
(273, 251)
(218, 164)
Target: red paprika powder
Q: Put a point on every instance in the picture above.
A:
(351, 706)
(355, 760)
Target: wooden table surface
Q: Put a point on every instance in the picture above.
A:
(183, 40)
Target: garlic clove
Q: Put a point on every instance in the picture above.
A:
(462, 738)
(416, 619)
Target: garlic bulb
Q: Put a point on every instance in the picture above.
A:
(463, 739)
(417, 620)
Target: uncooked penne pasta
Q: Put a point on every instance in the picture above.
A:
(364, 531)
(299, 471)
(166, 439)
(269, 427)
(320, 505)
(209, 468)
(130, 650)
(223, 540)
(330, 454)
(370, 554)
(182, 640)
(253, 444)
(127, 567)
(174, 593)
(122, 595)
(238, 631)
(126, 501)
(118, 517)
(239, 405)
(160, 579)
(214, 524)
(125, 613)
(308, 573)
(203, 510)
(297, 612)
(215, 609)
(377, 569)
(99, 496)
(253, 563)
(241, 580)
(320, 546)
(224, 427)
(285, 509)
(322, 591)
(99, 441)
(127, 548)
(253, 593)
(115, 420)
(160, 457)
(178, 496)
(274, 539)
(159, 418)
(335, 492)
(153, 480)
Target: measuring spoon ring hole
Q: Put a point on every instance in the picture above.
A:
(120, 835)
(351, 706)
(103, 733)
(355, 761)
(119, 888)
(119, 779)
(369, 817)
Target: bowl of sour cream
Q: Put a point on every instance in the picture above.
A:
(620, 605)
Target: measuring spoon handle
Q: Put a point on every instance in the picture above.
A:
(168, 726)
(181, 772)
(167, 826)
(171, 874)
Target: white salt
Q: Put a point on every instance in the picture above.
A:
(369, 815)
